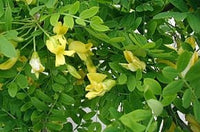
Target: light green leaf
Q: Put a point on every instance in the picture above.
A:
(54, 19)
(136, 115)
(131, 83)
(187, 98)
(80, 22)
(153, 85)
(12, 89)
(7, 48)
(173, 87)
(183, 60)
(192, 73)
(170, 72)
(144, 7)
(156, 106)
(117, 39)
(35, 10)
(51, 3)
(99, 27)
(122, 79)
(167, 100)
(74, 8)
(73, 71)
(89, 12)
(69, 21)
(54, 126)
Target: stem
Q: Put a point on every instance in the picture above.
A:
(74, 17)
(34, 44)
(149, 124)
(8, 113)
(43, 30)
(188, 85)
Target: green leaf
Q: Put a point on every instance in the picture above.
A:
(66, 99)
(180, 4)
(80, 22)
(183, 60)
(56, 126)
(187, 98)
(167, 100)
(60, 79)
(12, 89)
(138, 74)
(1, 8)
(35, 10)
(192, 75)
(144, 7)
(173, 87)
(151, 27)
(43, 96)
(57, 87)
(122, 79)
(89, 115)
(26, 106)
(194, 21)
(51, 3)
(7, 48)
(69, 21)
(117, 39)
(22, 81)
(99, 27)
(156, 106)
(38, 104)
(176, 15)
(169, 72)
(89, 12)
(73, 71)
(136, 115)
(153, 85)
(196, 110)
(131, 83)
(74, 8)
(8, 17)
(54, 19)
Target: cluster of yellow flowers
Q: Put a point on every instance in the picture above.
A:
(56, 44)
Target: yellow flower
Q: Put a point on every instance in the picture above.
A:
(133, 62)
(192, 61)
(60, 29)
(191, 40)
(36, 65)
(29, 2)
(56, 45)
(84, 52)
(98, 85)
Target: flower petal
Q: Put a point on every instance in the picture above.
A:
(60, 29)
(60, 59)
(96, 77)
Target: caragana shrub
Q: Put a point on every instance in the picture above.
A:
(99, 65)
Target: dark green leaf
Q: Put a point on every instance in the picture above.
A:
(56, 126)
(43, 96)
(35, 10)
(22, 81)
(192, 73)
(57, 87)
(176, 15)
(26, 106)
(180, 4)
(197, 110)
(1, 8)
(8, 17)
(38, 104)
(66, 99)
(170, 72)
(194, 21)
(12, 89)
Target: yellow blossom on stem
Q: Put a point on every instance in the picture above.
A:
(98, 85)
(56, 45)
(133, 62)
(192, 61)
(84, 52)
(60, 29)
(36, 65)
